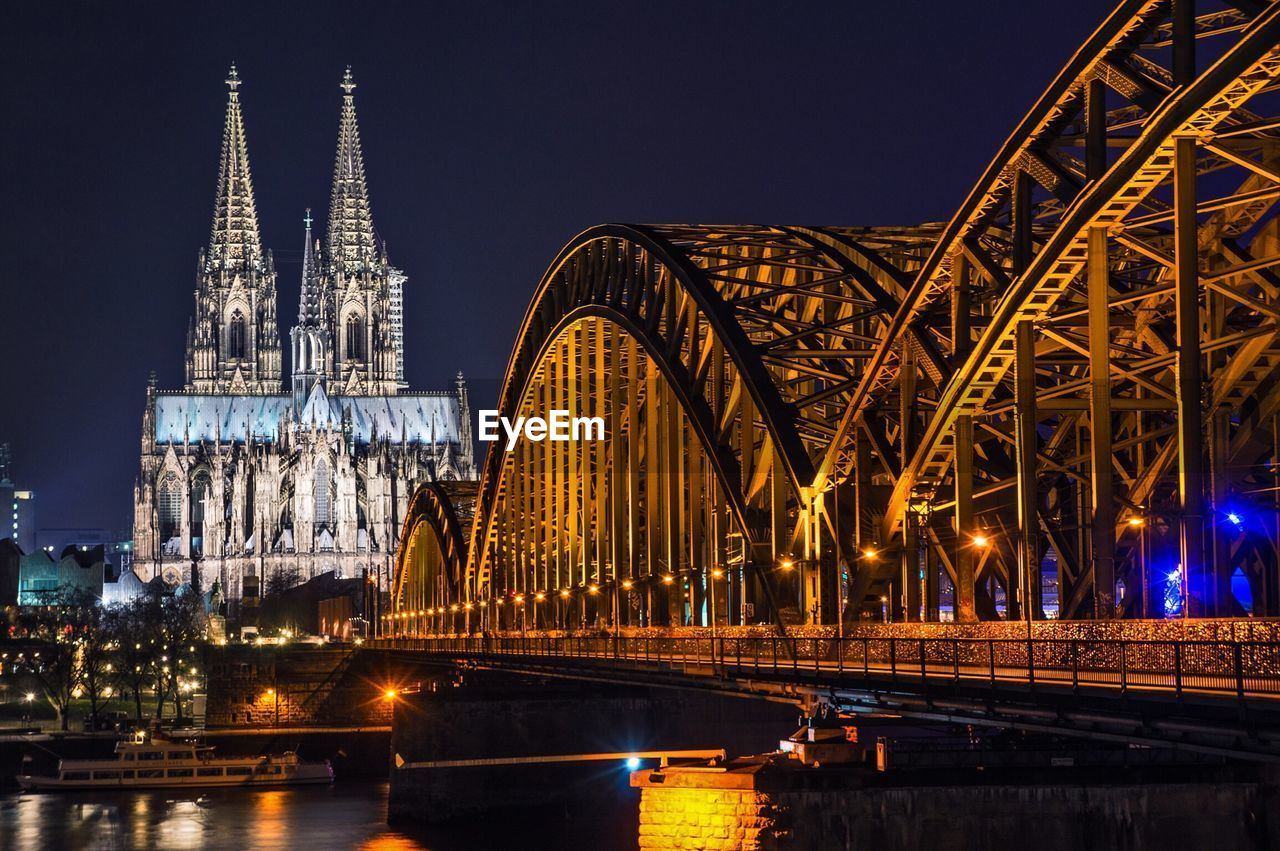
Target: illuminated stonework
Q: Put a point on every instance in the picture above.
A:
(249, 481)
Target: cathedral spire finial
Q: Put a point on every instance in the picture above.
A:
(351, 236)
(235, 237)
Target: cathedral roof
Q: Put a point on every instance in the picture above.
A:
(351, 239)
(235, 215)
(419, 417)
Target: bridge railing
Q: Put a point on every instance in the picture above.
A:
(1218, 668)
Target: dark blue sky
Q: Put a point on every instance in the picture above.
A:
(493, 132)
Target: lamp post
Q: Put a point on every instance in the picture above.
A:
(716, 573)
(626, 585)
(789, 563)
(870, 555)
(1140, 524)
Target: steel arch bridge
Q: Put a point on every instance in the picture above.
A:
(1048, 406)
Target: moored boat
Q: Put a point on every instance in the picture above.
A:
(149, 760)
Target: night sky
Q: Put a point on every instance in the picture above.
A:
(492, 132)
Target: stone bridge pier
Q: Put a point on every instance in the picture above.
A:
(489, 719)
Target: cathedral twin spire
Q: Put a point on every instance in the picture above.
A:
(349, 315)
(235, 215)
(351, 239)
(233, 343)
(235, 235)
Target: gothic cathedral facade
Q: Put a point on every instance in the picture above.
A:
(242, 481)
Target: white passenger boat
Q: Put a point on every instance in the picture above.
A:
(147, 761)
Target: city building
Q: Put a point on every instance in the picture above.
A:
(117, 546)
(242, 479)
(121, 587)
(19, 505)
(10, 570)
(44, 580)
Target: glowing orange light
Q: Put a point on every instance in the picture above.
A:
(539, 596)
(1136, 521)
(717, 573)
(786, 563)
(870, 554)
(389, 694)
(564, 592)
(668, 579)
(627, 583)
(594, 589)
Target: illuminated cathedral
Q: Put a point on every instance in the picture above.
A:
(243, 479)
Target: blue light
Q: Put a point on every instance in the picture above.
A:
(1242, 590)
(632, 763)
(1234, 518)
(1173, 601)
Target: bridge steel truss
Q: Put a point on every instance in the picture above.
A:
(1059, 398)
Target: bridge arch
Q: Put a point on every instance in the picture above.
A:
(718, 358)
(431, 559)
(1065, 258)
(1072, 382)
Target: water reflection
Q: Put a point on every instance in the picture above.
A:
(342, 816)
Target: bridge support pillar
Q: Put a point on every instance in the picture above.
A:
(1103, 543)
(1198, 577)
(966, 610)
(497, 717)
(1028, 499)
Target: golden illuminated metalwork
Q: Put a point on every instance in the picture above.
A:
(1075, 382)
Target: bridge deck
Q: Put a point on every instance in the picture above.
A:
(1222, 669)
(1221, 696)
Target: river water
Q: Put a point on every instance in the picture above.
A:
(345, 815)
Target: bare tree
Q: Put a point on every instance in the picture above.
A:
(95, 665)
(132, 648)
(61, 628)
(284, 578)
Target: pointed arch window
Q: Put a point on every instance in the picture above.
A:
(355, 338)
(200, 490)
(170, 506)
(235, 336)
(324, 495)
